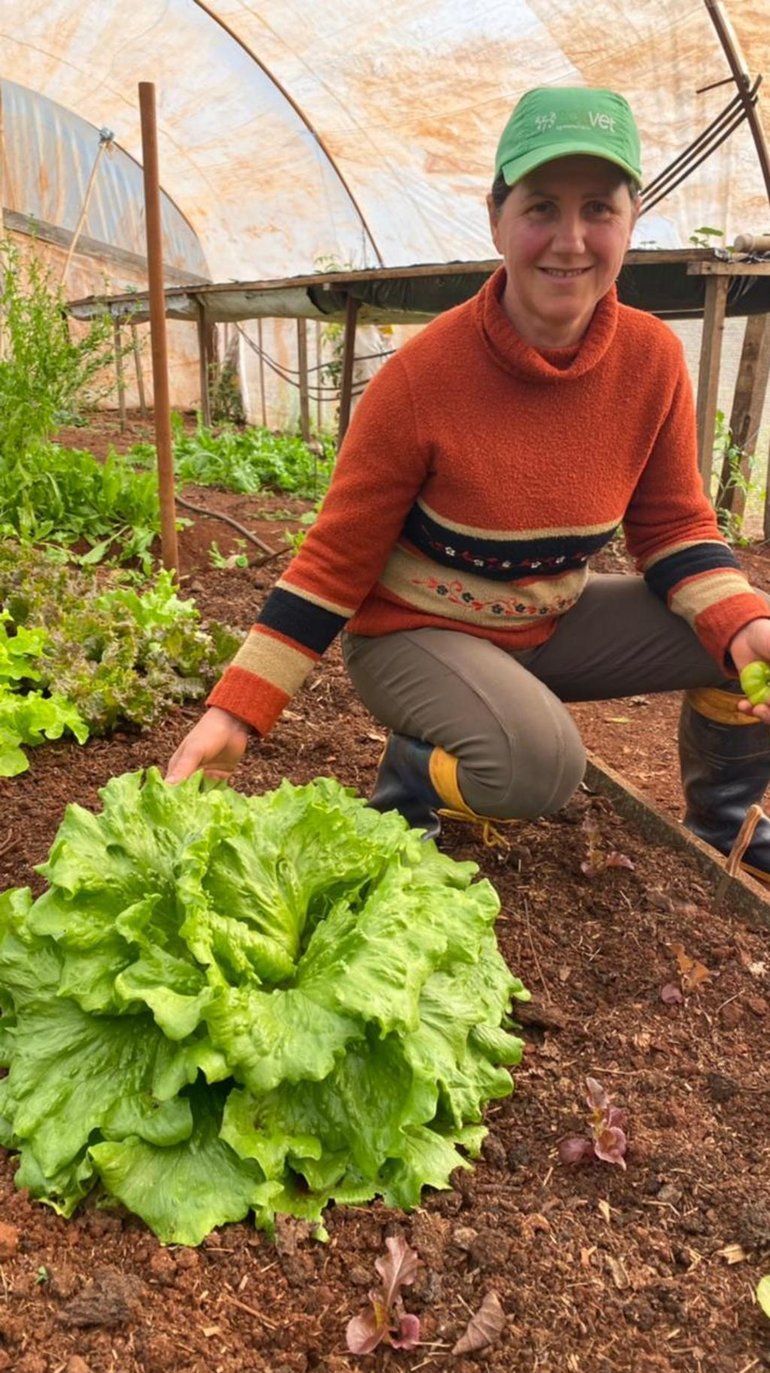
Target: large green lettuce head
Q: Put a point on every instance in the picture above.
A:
(224, 1003)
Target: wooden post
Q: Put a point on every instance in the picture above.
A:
(169, 551)
(746, 414)
(319, 376)
(304, 405)
(204, 366)
(138, 370)
(262, 374)
(708, 374)
(119, 373)
(348, 357)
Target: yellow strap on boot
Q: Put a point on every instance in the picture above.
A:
(720, 706)
(442, 767)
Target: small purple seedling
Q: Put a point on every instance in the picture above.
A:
(388, 1320)
(608, 1132)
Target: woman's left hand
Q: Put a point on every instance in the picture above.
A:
(752, 644)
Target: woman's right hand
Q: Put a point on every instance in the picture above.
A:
(216, 744)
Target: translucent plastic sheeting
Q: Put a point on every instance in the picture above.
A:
(295, 134)
(48, 157)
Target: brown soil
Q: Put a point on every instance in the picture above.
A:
(651, 1269)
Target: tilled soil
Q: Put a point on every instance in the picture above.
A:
(648, 1269)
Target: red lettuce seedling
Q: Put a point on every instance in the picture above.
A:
(597, 859)
(387, 1320)
(608, 1133)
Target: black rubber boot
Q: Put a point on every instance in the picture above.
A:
(403, 783)
(725, 769)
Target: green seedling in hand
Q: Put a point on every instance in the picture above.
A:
(755, 682)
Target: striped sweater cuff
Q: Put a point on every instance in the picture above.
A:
(717, 626)
(265, 673)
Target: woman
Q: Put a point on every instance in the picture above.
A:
(485, 464)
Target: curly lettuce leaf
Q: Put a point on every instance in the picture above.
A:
(290, 994)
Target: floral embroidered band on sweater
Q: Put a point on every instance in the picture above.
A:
(477, 479)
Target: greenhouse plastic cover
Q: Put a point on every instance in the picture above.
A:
(296, 134)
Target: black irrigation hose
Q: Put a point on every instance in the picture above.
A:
(228, 519)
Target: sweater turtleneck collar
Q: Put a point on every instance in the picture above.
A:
(513, 354)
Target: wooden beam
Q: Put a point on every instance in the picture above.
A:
(708, 374)
(304, 403)
(348, 356)
(746, 414)
(728, 269)
(169, 549)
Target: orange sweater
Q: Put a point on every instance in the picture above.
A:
(477, 478)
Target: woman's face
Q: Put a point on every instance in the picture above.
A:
(562, 232)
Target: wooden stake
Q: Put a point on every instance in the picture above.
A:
(169, 551)
(708, 375)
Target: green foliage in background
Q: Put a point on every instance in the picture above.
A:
(65, 495)
(246, 460)
(98, 648)
(729, 474)
(46, 374)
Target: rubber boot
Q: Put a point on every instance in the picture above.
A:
(724, 756)
(403, 783)
(420, 781)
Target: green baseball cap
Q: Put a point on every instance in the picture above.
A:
(559, 121)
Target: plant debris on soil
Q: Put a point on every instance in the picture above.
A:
(584, 1268)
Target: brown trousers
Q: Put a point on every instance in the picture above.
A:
(501, 714)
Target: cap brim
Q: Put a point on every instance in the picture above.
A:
(513, 171)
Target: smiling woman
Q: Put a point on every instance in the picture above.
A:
(562, 232)
(563, 224)
(490, 458)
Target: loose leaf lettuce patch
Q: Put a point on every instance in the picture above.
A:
(223, 1004)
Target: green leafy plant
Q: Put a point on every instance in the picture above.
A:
(247, 460)
(238, 558)
(297, 537)
(731, 473)
(224, 1003)
(47, 373)
(705, 236)
(763, 1294)
(82, 649)
(64, 495)
(49, 370)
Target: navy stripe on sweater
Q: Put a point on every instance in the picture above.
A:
(501, 560)
(665, 575)
(297, 618)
